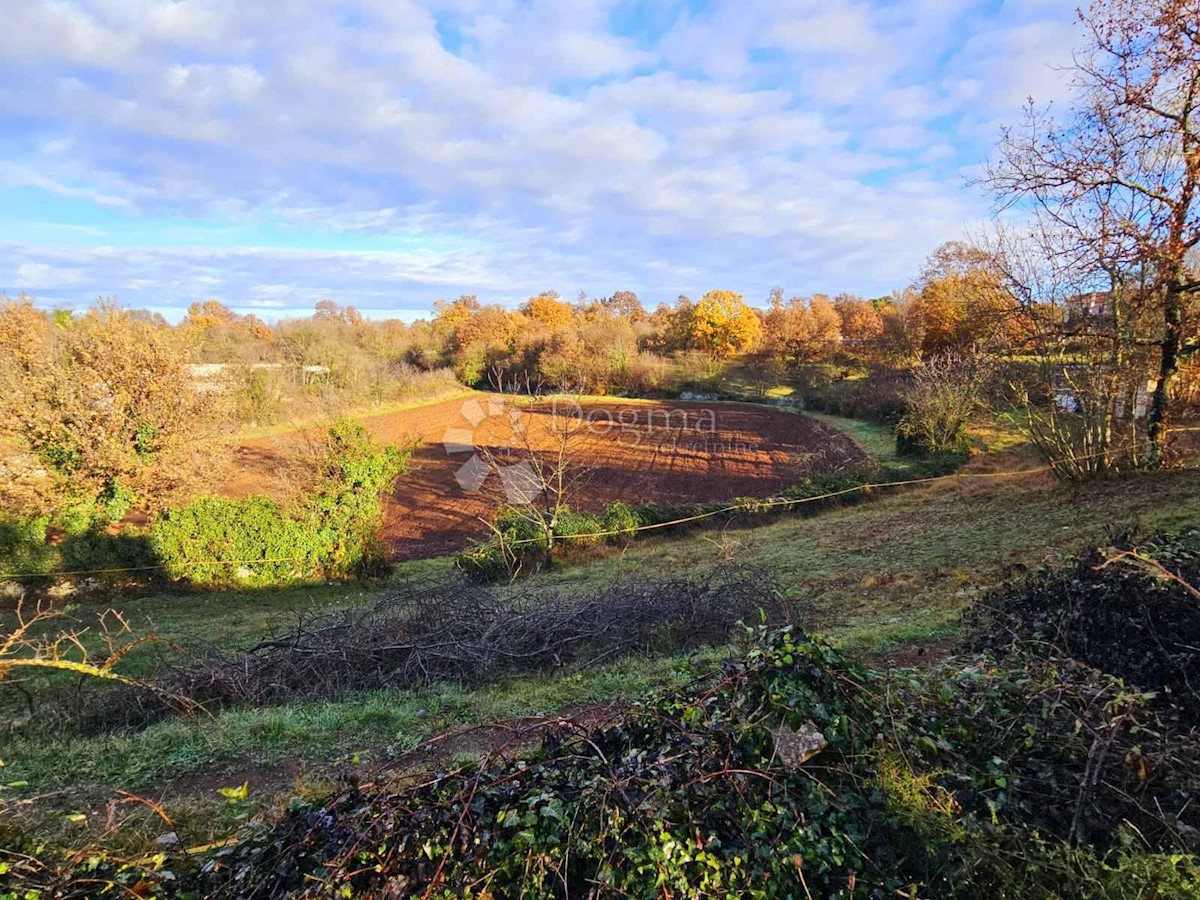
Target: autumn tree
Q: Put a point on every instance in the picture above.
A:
(483, 337)
(107, 406)
(209, 314)
(671, 325)
(722, 324)
(622, 305)
(962, 301)
(1114, 184)
(448, 315)
(547, 309)
(219, 334)
(330, 311)
(861, 323)
(802, 331)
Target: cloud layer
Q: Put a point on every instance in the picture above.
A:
(390, 152)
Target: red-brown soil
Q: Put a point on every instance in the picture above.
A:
(636, 452)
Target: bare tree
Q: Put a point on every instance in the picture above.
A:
(1115, 185)
(539, 475)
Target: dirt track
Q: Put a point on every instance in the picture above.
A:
(636, 452)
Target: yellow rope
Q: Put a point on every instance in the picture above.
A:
(759, 504)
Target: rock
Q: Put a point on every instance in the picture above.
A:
(170, 839)
(796, 747)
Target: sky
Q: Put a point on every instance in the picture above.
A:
(389, 153)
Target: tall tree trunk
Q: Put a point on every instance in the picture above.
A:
(1168, 365)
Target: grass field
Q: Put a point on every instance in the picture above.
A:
(878, 577)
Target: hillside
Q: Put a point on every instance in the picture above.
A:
(886, 580)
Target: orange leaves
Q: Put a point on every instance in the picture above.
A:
(723, 324)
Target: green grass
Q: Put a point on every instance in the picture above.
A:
(363, 412)
(303, 742)
(877, 440)
(907, 564)
(381, 723)
(874, 576)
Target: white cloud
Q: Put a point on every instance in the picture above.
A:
(754, 143)
(40, 276)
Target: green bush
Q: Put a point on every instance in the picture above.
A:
(115, 501)
(519, 543)
(217, 541)
(74, 542)
(872, 395)
(621, 519)
(485, 562)
(579, 528)
(256, 541)
(23, 547)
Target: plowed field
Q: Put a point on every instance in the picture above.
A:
(636, 452)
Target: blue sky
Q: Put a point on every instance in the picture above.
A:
(387, 153)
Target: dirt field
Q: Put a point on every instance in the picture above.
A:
(636, 452)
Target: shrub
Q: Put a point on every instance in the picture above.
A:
(698, 370)
(519, 542)
(23, 547)
(873, 395)
(579, 528)
(823, 485)
(75, 541)
(257, 541)
(620, 518)
(213, 540)
(643, 375)
(257, 394)
(1116, 612)
(945, 392)
(487, 562)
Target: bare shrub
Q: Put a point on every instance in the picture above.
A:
(644, 374)
(1088, 427)
(30, 650)
(944, 393)
(698, 371)
(538, 485)
(410, 383)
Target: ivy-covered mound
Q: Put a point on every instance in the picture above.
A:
(791, 773)
(1131, 610)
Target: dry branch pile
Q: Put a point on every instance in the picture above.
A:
(462, 632)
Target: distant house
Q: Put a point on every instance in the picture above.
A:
(211, 378)
(1090, 312)
(1066, 398)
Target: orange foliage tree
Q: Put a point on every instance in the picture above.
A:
(962, 301)
(800, 331)
(104, 402)
(547, 309)
(722, 324)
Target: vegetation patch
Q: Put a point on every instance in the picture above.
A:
(214, 541)
(463, 633)
(521, 544)
(1130, 610)
(789, 772)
